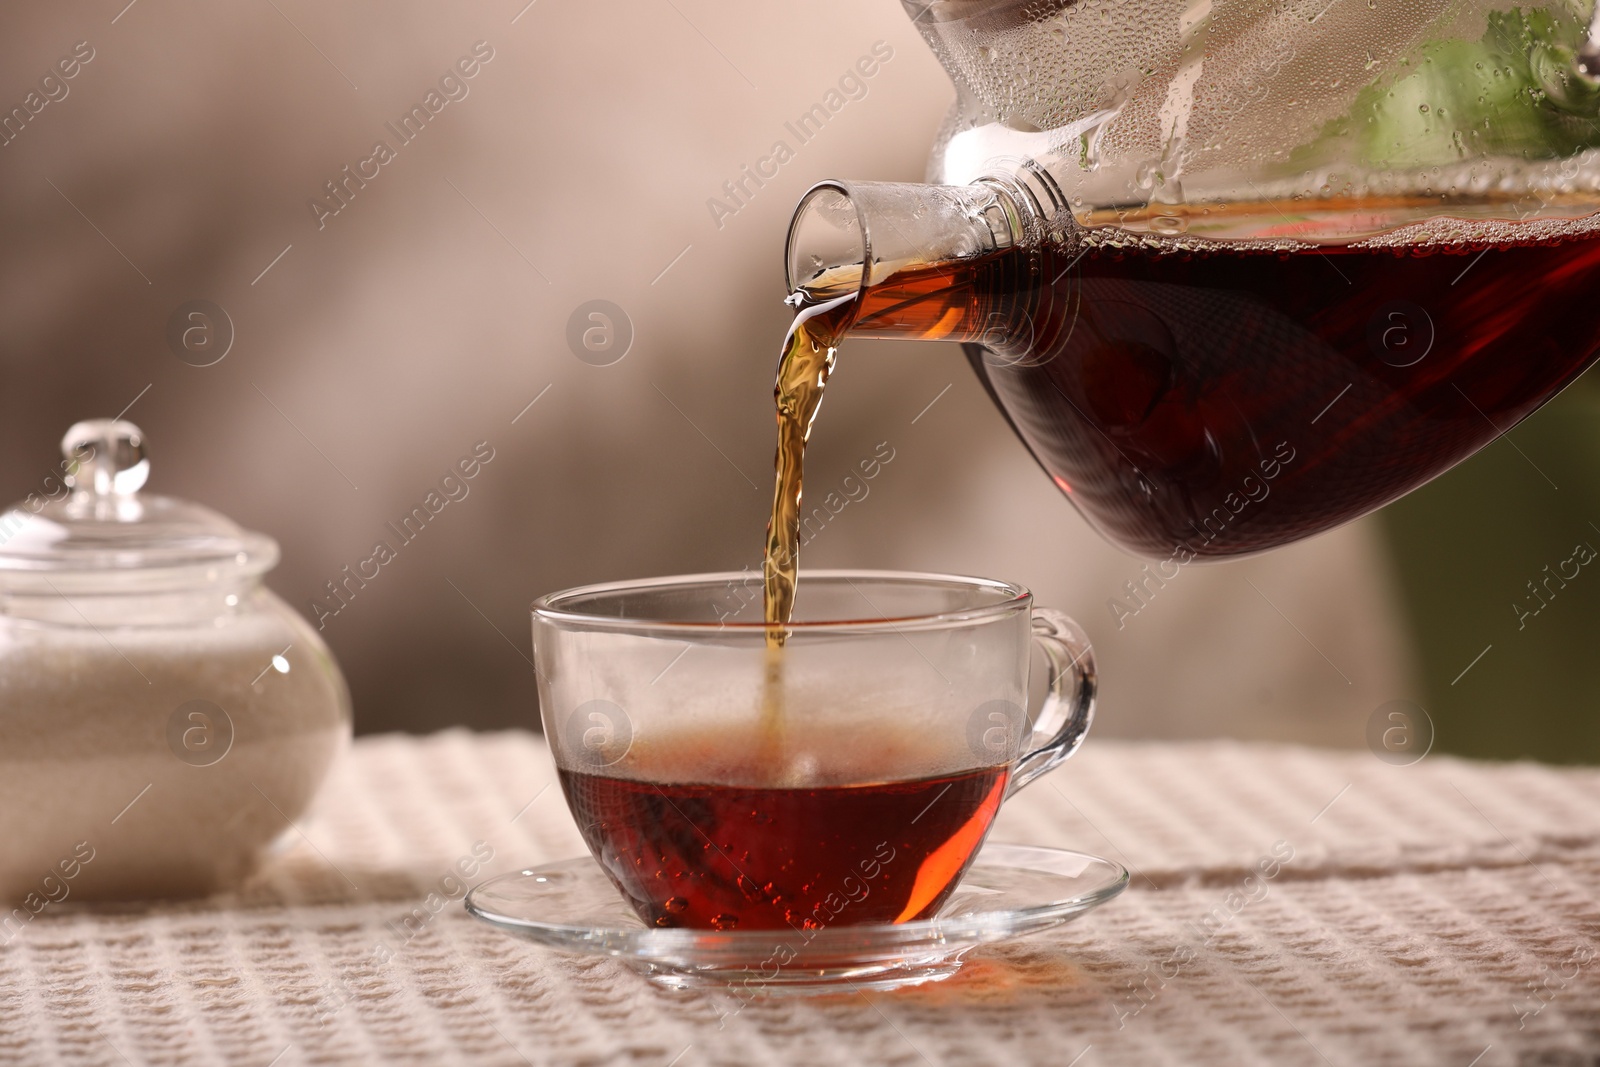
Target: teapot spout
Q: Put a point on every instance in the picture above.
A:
(907, 251)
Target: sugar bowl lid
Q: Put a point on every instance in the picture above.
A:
(93, 530)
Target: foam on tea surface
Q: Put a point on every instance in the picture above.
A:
(886, 744)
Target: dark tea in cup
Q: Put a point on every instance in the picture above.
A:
(854, 785)
(766, 855)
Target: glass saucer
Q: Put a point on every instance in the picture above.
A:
(1010, 891)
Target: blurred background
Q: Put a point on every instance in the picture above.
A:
(389, 314)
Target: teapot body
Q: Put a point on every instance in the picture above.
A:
(1229, 119)
(1237, 274)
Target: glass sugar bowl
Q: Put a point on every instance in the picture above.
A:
(164, 718)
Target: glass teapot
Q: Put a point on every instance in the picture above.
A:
(1239, 273)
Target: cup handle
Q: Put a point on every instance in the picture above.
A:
(1068, 706)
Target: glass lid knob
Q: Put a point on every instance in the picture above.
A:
(107, 457)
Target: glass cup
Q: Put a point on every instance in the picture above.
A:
(848, 777)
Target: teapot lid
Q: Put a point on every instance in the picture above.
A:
(103, 531)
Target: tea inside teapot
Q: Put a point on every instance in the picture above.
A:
(1237, 276)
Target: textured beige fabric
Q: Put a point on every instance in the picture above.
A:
(1445, 913)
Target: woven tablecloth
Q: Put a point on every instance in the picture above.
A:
(1442, 913)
